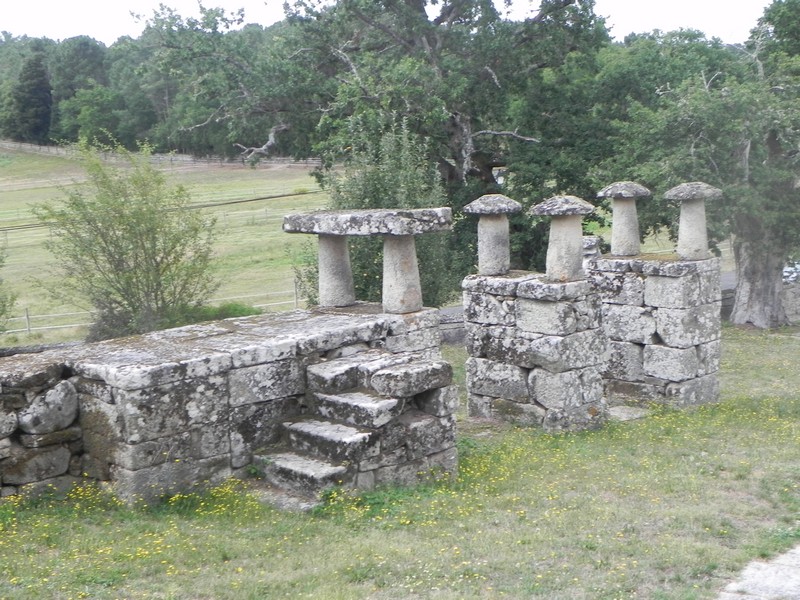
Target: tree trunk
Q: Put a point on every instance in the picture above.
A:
(759, 282)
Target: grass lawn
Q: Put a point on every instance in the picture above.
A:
(252, 253)
(668, 507)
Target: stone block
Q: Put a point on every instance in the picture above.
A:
(568, 389)
(545, 317)
(29, 465)
(446, 460)
(625, 361)
(629, 323)
(102, 426)
(540, 288)
(420, 433)
(497, 285)
(672, 364)
(8, 422)
(632, 392)
(6, 449)
(269, 381)
(708, 357)
(53, 410)
(579, 418)
(39, 440)
(497, 379)
(411, 379)
(528, 415)
(673, 292)
(700, 390)
(555, 353)
(174, 408)
(427, 318)
(405, 474)
(588, 312)
(441, 402)
(489, 309)
(256, 426)
(154, 483)
(414, 341)
(683, 328)
(370, 222)
(677, 268)
(476, 337)
(480, 406)
(619, 288)
(94, 388)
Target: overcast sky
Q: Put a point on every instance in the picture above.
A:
(106, 20)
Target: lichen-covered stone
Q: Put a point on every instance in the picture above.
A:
(683, 328)
(672, 364)
(568, 389)
(40, 440)
(53, 410)
(8, 422)
(441, 402)
(266, 382)
(539, 288)
(700, 390)
(708, 357)
(489, 309)
(256, 426)
(411, 379)
(625, 323)
(562, 206)
(497, 285)
(619, 288)
(548, 318)
(497, 379)
(370, 222)
(493, 204)
(414, 341)
(624, 189)
(29, 465)
(525, 414)
(625, 361)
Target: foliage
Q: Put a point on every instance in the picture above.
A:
(127, 243)
(29, 105)
(391, 171)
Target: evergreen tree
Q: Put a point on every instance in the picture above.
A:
(28, 116)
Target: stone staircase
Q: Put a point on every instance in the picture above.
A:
(366, 413)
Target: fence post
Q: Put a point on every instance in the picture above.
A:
(295, 294)
(28, 321)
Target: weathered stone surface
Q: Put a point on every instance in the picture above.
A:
(266, 382)
(427, 318)
(489, 309)
(30, 371)
(673, 364)
(358, 408)
(683, 328)
(29, 465)
(370, 222)
(102, 426)
(8, 422)
(441, 402)
(335, 275)
(498, 285)
(94, 468)
(420, 433)
(55, 409)
(302, 474)
(581, 418)
(494, 253)
(548, 318)
(625, 361)
(493, 204)
(256, 426)
(411, 379)
(497, 379)
(569, 389)
(680, 292)
(708, 357)
(480, 406)
(695, 190)
(675, 268)
(565, 249)
(152, 484)
(555, 353)
(526, 414)
(334, 441)
(562, 206)
(631, 392)
(540, 288)
(414, 341)
(173, 408)
(6, 446)
(700, 390)
(629, 323)
(624, 189)
(91, 387)
(402, 291)
(39, 440)
(619, 288)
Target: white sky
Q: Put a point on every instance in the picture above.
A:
(106, 20)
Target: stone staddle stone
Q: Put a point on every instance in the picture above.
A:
(494, 256)
(336, 286)
(692, 232)
(565, 249)
(625, 219)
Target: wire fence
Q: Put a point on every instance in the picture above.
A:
(30, 323)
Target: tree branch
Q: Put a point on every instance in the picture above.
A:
(512, 134)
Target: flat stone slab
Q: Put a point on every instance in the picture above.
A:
(370, 222)
(778, 579)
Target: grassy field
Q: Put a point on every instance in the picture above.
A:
(252, 254)
(668, 507)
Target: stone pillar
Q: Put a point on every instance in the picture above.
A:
(494, 257)
(625, 219)
(402, 292)
(401, 286)
(692, 232)
(335, 273)
(565, 248)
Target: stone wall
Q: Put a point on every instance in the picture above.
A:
(662, 319)
(160, 413)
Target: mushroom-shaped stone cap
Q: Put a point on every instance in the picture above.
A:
(624, 189)
(493, 204)
(562, 206)
(696, 190)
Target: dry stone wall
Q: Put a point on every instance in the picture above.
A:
(348, 396)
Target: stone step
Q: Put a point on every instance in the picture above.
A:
(350, 372)
(363, 409)
(336, 442)
(301, 475)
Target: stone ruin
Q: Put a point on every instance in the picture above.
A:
(351, 394)
(557, 349)
(357, 394)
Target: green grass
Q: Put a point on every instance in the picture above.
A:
(252, 253)
(669, 507)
